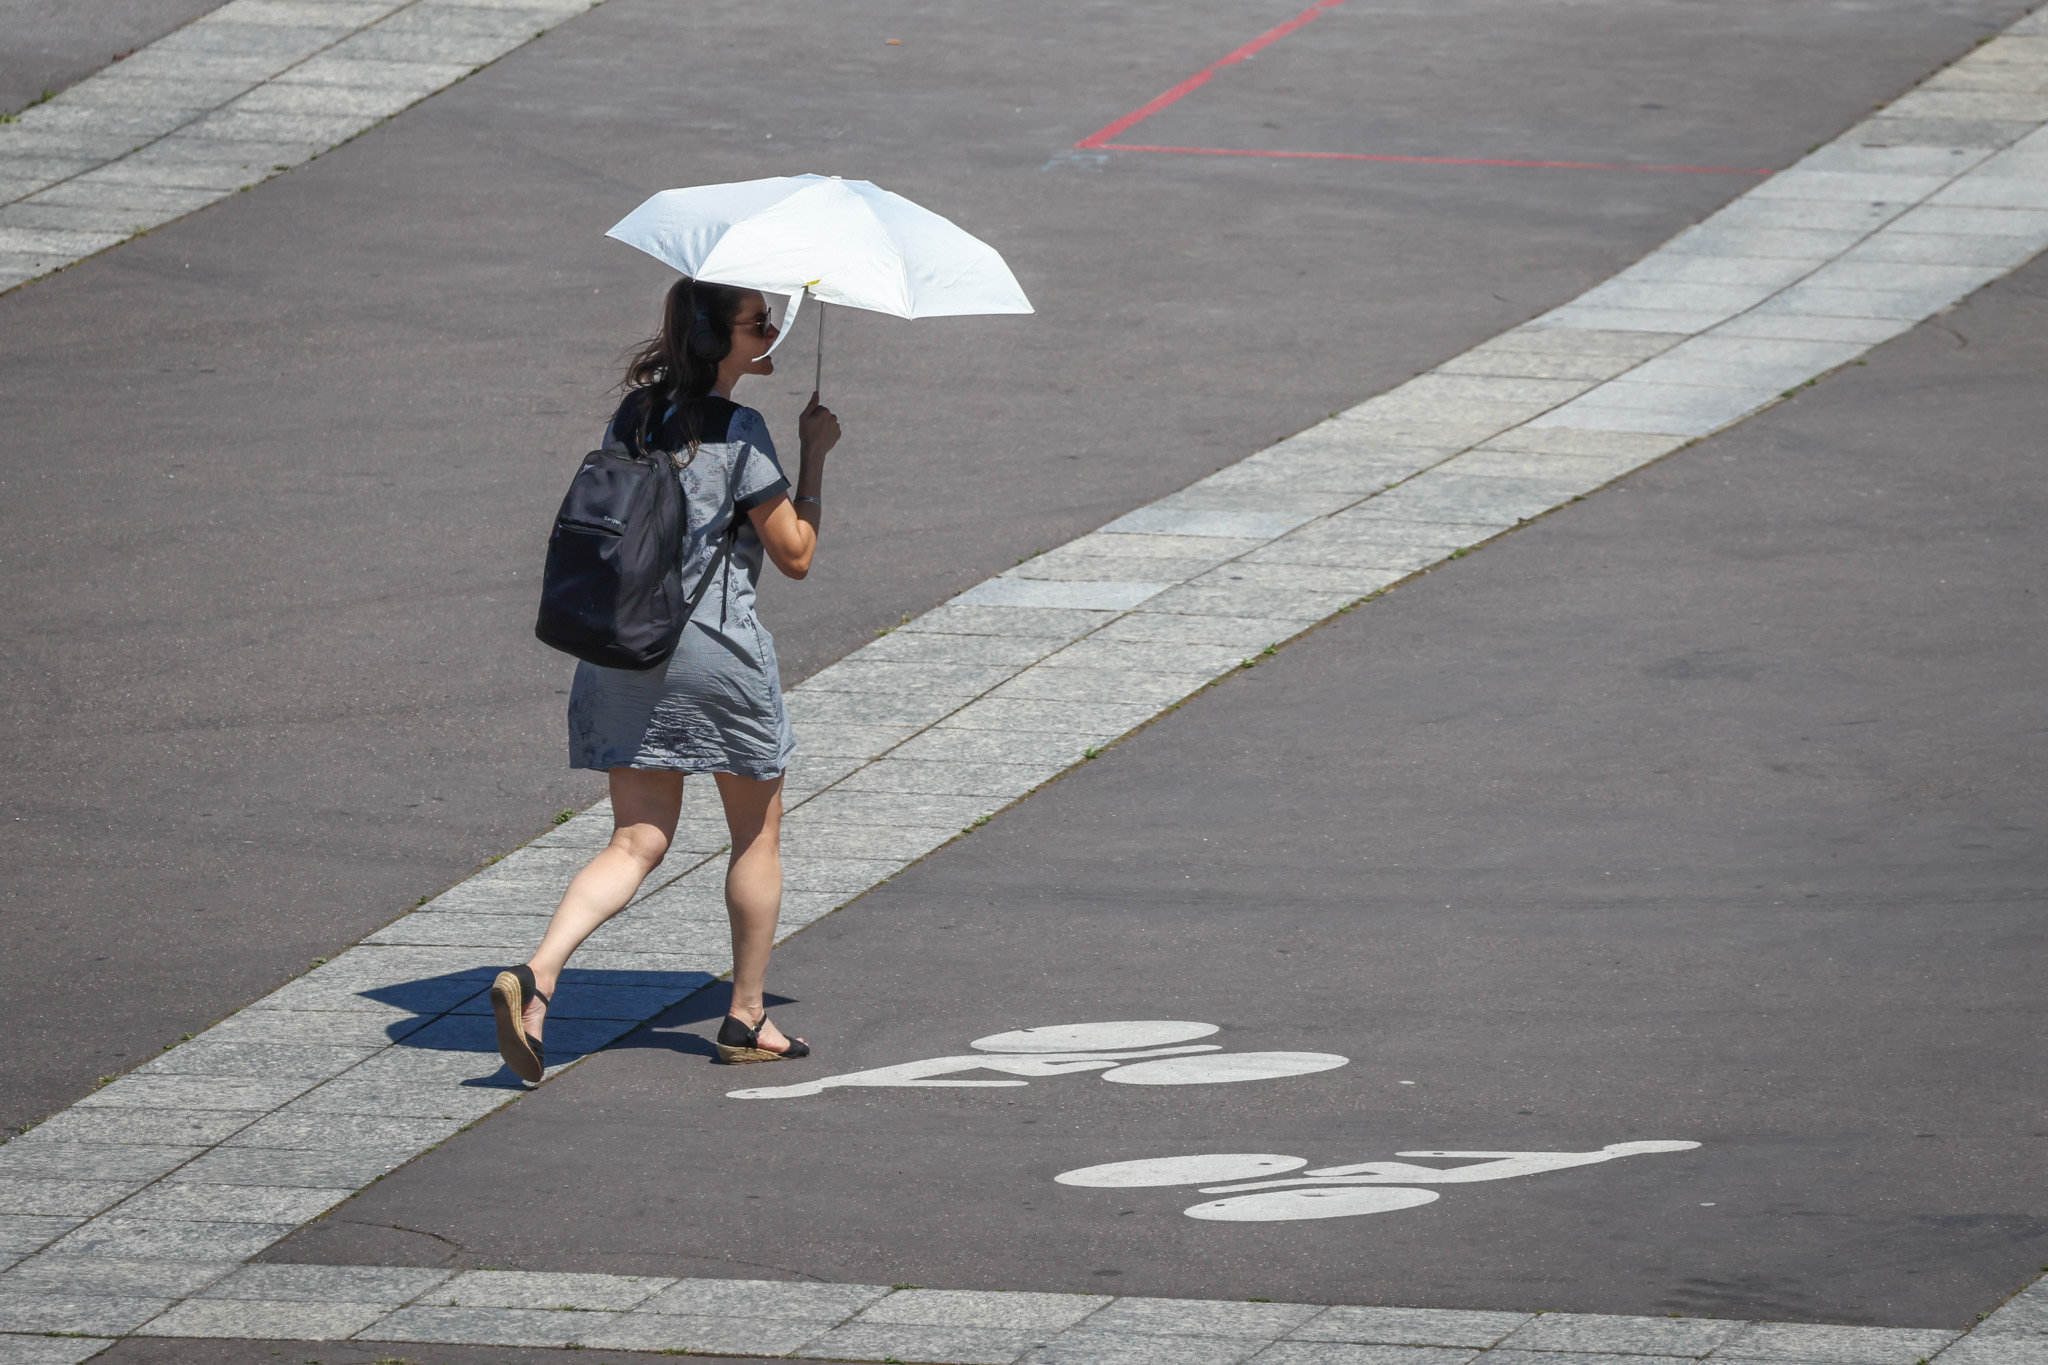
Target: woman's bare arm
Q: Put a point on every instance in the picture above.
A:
(788, 527)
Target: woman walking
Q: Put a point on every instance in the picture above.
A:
(716, 705)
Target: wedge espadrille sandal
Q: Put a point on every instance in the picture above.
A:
(737, 1043)
(523, 1052)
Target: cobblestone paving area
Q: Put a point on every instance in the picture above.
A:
(217, 1299)
(244, 93)
(154, 1187)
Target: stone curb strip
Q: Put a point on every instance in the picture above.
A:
(248, 91)
(221, 1299)
(227, 1143)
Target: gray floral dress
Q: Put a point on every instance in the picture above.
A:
(716, 706)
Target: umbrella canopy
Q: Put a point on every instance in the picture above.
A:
(843, 241)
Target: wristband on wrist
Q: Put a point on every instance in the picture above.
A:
(806, 497)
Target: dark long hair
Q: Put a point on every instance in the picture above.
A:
(679, 363)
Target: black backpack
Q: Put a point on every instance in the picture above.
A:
(611, 593)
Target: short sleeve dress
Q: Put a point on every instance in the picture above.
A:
(716, 706)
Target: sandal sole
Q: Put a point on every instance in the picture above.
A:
(737, 1056)
(508, 1004)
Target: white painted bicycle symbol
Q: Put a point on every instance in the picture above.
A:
(1332, 1191)
(1127, 1052)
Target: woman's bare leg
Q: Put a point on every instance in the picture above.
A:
(753, 892)
(645, 804)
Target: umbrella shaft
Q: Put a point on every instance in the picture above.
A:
(818, 381)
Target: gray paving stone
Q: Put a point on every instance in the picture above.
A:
(1584, 471)
(1065, 566)
(1166, 547)
(388, 1285)
(826, 1303)
(1999, 1349)
(93, 1314)
(342, 69)
(1800, 327)
(960, 680)
(1243, 597)
(1345, 1353)
(2025, 1313)
(1537, 364)
(1202, 1317)
(1768, 272)
(531, 1289)
(1041, 622)
(406, 1100)
(199, 1092)
(330, 1028)
(1629, 346)
(1176, 521)
(1819, 301)
(841, 808)
(1234, 633)
(384, 43)
(907, 1342)
(1049, 717)
(1442, 495)
(809, 707)
(1350, 542)
(1722, 300)
(1602, 1332)
(998, 746)
(138, 1239)
(1000, 651)
(1108, 684)
(1785, 1343)
(704, 1336)
(22, 1233)
(844, 876)
(346, 1169)
(449, 929)
(278, 1321)
(1966, 220)
(1803, 244)
(32, 1158)
(1307, 502)
(208, 1055)
(50, 1273)
(1504, 1356)
(812, 838)
(1006, 780)
(370, 967)
(62, 1198)
(855, 741)
(189, 1201)
(1321, 469)
(1409, 1326)
(1628, 319)
(404, 1002)
(975, 1308)
(1101, 652)
(1099, 596)
(1942, 249)
(1087, 1346)
(1672, 409)
(50, 1350)
(486, 1326)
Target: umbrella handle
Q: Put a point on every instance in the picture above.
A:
(818, 380)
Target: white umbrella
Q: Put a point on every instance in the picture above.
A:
(840, 241)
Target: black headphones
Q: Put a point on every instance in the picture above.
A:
(703, 339)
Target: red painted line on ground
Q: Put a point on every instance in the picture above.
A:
(1426, 160)
(1201, 78)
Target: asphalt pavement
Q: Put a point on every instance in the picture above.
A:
(47, 45)
(1704, 810)
(277, 475)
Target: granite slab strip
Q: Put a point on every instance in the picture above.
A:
(248, 91)
(211, 1299)
(999, 689)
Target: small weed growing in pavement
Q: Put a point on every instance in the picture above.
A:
(8, 118)
(1090, 753)
(1269, 651)
(104, 1080)
(906, 1286)
(1461, 553)
(1256, 1299)
(565, 817)
(979, 822)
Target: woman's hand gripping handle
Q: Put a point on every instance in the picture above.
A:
(788, 527)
